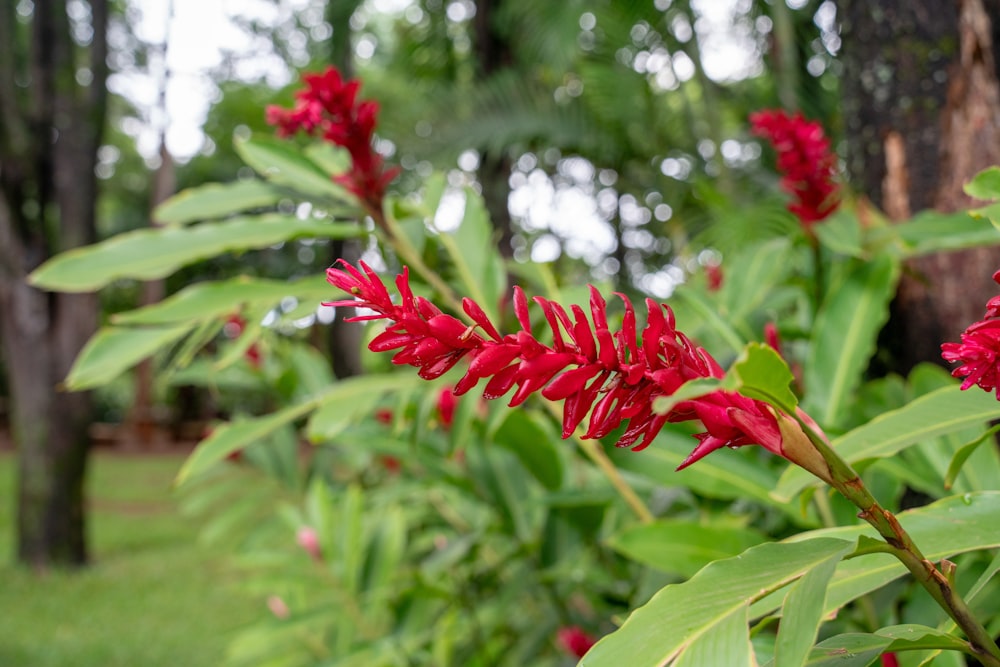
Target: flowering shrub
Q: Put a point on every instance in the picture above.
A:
(503, 546)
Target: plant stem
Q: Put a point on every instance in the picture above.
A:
(406, 252)
(934, 581)
(592, 450)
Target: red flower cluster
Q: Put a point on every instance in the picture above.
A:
(328, 106)
(804, 159)
(608, 375)
(574, 640)
(979, 351)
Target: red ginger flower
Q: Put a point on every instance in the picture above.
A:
(979, 351)
(591, 369)
(328, 106)
(804, 159)
(574, 640)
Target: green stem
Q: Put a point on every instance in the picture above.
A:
(409, 255)
(934, 581)
(592, 450)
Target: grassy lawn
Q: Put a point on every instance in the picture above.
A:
(154, 595)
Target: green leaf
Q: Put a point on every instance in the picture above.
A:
(148, 254)
(216, 200)
(729, 645)
(761, 373)
(530, 438)
(951, 526)
(930, 231)
(803, 614)
(841, 232)
(684, 618)
(753, 274)
(984, 185)
(333, 160)
(844, 336)
(857, 649)
(725, 475)
(351, 400)
(938, 413)
(683, 547)
(991, 213)
(963, 454)
(474, 255)
(236, 435)
(214, 299)
(113, 350)
(283, 163)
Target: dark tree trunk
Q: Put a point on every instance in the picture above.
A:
(922, 110)
(345, 338)
(50, 130)
(493, 54)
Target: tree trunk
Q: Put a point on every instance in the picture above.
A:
(922, 112)
(345, 338)
(50, 131)
(493, 54)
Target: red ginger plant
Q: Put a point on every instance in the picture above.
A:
(590, 368)
(329, 106)
(807, 165)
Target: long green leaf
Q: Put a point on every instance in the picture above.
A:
(803, 614)
(683, 547)
(860, 650)
(683, 618)
(236, 435)
(147, 254)
(930, 232)
(844, 337)
(281, 162)
(958, 524)
(214, 299)
(938, 413)
(216, 200)
(113, 350)
(724, 475)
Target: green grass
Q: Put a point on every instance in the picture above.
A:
(153, 596)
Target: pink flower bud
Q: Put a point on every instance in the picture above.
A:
(308, 539)
(278, 607)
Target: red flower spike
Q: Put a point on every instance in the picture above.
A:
(328, 107)
(979, 351)
(592, 369)
(805, 161)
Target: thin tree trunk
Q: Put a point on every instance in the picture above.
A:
(48, 146)
(922, 110)
(493, 54)
(345, 338)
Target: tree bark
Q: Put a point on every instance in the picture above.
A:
(493, 54)
(922, 112)
(51, 129)
(345, 338)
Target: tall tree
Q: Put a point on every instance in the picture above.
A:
(53, 70)
(922, 113)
